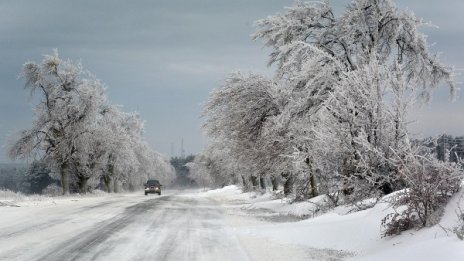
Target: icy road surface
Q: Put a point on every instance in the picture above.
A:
(174, 226)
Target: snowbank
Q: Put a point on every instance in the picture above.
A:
(358, 233)
(15, 199)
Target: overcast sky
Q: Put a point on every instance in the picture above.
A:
(163, 57)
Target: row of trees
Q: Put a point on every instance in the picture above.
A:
(81, 137)
(28, 179)
(447, 147)
(180, 165)
(12, 177)
(333, 119)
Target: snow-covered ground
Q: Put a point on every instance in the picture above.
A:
(174, 226)
(337, 235)
(222, 224)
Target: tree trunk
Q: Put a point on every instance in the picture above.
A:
(108, 177)
(275, 184)
(312, 178)
(313, 186)
(245, 183)
(262, 182)
(83, 184)
(131, 187)
(65, 178)
(115, 186)
(107, 181)
(254, 181)
(288, 184)
(346, 171)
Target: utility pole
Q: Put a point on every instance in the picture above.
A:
(182, 152)
(172, 149)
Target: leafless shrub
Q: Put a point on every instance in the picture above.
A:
(431, 183)
(395, 223)
(459, 229)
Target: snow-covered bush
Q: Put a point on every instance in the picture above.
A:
(52, 190)
(10, 195)
(430, 184)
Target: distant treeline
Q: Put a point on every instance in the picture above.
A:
(26, 178)
(447, 147)
(34, 178)
(182, 171)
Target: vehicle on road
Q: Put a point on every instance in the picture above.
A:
(152, 186)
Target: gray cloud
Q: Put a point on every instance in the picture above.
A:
(163, 57)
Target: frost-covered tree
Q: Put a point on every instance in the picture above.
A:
(119, 133)
(333, 119)
(215, 168)
(127, 158)
(79, 135)
(236, 115)
(367, 30)
(358, 72)
(69, 103)
(200, 171)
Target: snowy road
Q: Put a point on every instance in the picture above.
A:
(222, 224)
(135, 227)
